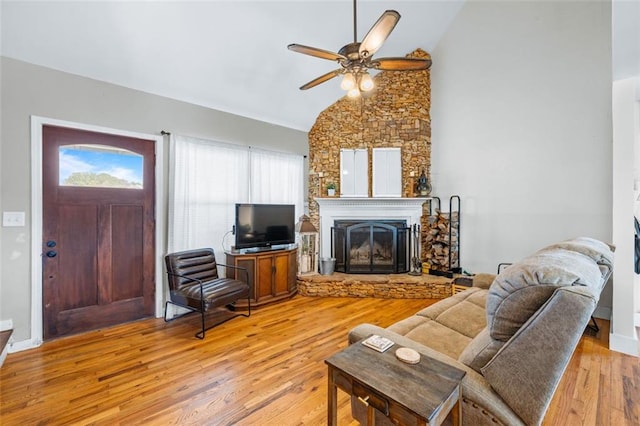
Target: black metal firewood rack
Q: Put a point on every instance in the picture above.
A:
(453, 265)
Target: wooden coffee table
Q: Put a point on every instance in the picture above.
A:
(422, 394)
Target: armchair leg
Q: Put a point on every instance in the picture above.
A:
(200, 334)
(203, 328)
(166, 306)
(248, 314)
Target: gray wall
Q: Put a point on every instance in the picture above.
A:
(32, 90)
(521, 126)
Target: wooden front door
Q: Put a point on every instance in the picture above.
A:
(98, 243)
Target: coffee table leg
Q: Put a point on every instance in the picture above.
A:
(456, 412)
(332, 401)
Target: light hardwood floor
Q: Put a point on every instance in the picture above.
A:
(264, 370)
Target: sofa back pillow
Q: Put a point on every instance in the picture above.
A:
(597, 250)
(522, 288)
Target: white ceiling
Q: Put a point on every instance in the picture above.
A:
(232, 55)
(227, 55)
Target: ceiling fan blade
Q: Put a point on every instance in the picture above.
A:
(318, 53)
(321, 79)
(378, 33)
(401, 64)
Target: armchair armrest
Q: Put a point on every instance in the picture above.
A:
(240, 268)
(190, 279)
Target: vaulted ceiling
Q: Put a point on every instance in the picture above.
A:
(226, 55)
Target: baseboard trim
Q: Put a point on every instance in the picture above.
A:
(23, 345)
(6, 325)
(626, 345)
(3, 355)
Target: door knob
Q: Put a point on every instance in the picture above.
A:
(51, 244)
(52, 253)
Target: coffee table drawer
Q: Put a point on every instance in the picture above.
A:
(370, 397)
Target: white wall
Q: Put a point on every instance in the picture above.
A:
(32, 90)
(521, 116)
(626, 148)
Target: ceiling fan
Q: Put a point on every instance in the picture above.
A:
(356, 58)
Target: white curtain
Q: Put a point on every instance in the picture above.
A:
(277, 178)
(208, 178)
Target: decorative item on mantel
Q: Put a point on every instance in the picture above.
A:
(424, 187)
(331, 189)
(308, 238)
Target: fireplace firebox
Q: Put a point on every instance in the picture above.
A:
(371, 246)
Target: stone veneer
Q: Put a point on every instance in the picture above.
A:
(396, 114)
(394, 286)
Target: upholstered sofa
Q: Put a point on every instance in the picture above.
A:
(513, 333)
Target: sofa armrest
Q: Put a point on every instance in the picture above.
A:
(528, 368)
(483, 280)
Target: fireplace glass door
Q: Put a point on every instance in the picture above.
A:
(367, 247)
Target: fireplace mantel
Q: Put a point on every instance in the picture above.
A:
(344, 208)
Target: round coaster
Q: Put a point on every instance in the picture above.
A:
(408, 355)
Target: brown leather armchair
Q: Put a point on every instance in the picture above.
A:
(194, 284)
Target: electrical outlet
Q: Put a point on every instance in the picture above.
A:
(13, 219)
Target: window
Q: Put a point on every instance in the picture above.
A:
(99, 166)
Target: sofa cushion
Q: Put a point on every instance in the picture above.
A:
(434, 335)
(522, 288)
(449, 325)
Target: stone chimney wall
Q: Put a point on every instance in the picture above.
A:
(396, 114)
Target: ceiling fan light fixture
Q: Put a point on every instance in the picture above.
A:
(356, 59)
(348, 81)
(353, 93)
(366, 82)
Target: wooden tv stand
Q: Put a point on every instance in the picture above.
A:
(272, 275)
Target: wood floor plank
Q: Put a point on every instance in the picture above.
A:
(266, 369)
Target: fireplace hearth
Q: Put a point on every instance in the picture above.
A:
(371, 246)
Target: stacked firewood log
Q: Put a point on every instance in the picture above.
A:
(436, 244)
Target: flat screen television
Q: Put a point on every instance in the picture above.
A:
(264, 225)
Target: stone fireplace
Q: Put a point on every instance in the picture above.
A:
(395, 115)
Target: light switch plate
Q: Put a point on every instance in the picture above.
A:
(13, 219)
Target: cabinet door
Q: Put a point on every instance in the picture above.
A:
(250, 265)
(264, 285)
(281, 273)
